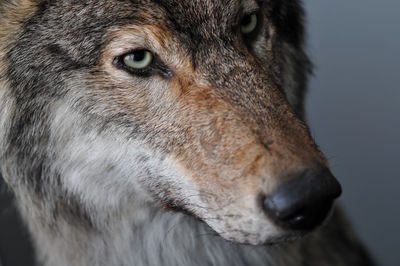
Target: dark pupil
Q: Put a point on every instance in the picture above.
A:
(246, 20)
(138, 55)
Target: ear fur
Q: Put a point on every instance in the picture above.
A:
(13, 13)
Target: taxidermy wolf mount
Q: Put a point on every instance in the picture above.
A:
(165, 132)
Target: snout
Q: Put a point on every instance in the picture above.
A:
(304, 201)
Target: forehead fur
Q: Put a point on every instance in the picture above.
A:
(69, 35)
(85, 23)
(189, 16)
(202, 16)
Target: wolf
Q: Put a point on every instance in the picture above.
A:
(166, 132)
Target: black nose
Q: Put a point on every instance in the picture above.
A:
(303, 202)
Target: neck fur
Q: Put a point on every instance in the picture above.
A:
(144, 235)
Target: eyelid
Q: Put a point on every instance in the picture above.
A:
(251, 10)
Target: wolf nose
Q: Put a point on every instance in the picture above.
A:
(303, 202)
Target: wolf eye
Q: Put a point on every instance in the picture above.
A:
(142, 63)
(249, 24)
(139, 59)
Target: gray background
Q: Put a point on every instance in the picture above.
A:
(353, 107)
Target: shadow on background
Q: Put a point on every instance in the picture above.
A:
(15, 247)
(354, 111)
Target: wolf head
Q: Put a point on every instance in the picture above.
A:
(190, 105)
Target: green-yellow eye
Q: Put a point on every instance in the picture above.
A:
(249, 23)
(139, 59)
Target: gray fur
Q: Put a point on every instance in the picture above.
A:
(92, 181)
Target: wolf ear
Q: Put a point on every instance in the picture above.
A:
(13, 13)
(15, 5)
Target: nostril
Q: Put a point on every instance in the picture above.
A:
(303, 202)
(308, 217)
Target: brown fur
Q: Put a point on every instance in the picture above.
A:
(11, 23)
(95, 150)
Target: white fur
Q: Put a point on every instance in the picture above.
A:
(95, 164)
(106, 173)
(6, 107)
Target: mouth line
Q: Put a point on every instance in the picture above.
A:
(286, 236)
